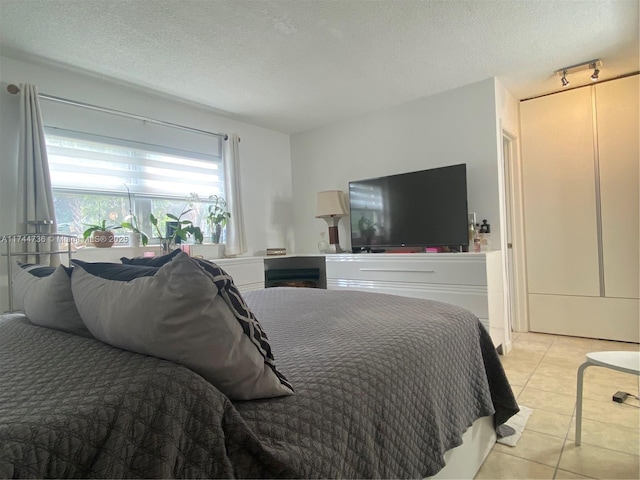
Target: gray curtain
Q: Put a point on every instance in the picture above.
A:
(236, 243)
(35, 197)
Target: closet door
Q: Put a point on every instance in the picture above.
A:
(617, 114)
(560, 195)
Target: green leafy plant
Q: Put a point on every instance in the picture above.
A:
(101, 227)
(217, 217)
(133, 226)
(182, 230)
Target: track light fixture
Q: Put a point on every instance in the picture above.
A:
(590, 65)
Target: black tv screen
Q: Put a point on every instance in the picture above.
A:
(417, 209)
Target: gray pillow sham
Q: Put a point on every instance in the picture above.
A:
(44, 295)
(179, 313)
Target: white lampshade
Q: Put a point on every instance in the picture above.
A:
(331, 203)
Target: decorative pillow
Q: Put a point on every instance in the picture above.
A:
(248, 321)
(116, 271)
(22, 278)
(180, 314)
(151, 261)
(44, 294)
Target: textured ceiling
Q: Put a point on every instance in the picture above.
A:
(292, 65)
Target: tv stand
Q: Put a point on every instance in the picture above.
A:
(469, 280)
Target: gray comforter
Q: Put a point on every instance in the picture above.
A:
(384, 385)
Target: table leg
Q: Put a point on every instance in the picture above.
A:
(579, 403)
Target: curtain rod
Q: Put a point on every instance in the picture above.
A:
(14, 89)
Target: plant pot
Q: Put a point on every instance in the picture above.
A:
(102, 238)
(167, 247)
(134, 239)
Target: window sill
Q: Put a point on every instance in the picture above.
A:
(113, 254)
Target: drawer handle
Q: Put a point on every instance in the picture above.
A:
(395, 270)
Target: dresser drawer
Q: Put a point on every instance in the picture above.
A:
(247, 272)
(453, 269)
(473, 298)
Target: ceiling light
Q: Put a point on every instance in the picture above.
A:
(591, 64)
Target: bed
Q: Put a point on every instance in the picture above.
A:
(384, 386)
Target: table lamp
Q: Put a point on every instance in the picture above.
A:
(332, 207)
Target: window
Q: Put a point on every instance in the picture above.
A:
(90, 175)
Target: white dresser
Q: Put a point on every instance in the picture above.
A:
(469, 280)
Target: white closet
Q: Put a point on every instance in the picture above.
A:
(581, 210)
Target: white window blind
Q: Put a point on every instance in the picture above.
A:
(83, 162)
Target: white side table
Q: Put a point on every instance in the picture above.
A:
(627, 362)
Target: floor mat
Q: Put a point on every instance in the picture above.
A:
(510, 432)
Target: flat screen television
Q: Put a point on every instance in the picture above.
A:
(427, 208)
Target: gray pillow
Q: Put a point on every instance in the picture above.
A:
(179, 314)
(44, 294)
(23, 277)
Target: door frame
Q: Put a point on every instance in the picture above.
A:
(514, 261)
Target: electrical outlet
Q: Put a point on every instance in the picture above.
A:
(620, 397)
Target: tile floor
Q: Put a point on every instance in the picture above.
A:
(542, 371)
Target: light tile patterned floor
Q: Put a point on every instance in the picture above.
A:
(542, 371)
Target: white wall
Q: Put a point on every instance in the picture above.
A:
(264, 154)
(507, 109)
(458, 126)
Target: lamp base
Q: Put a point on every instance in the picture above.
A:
(334, 240)
(335, 248)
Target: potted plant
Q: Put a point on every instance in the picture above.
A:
(100, 235)
(176, 229)
(136, 236)
(217, 217)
